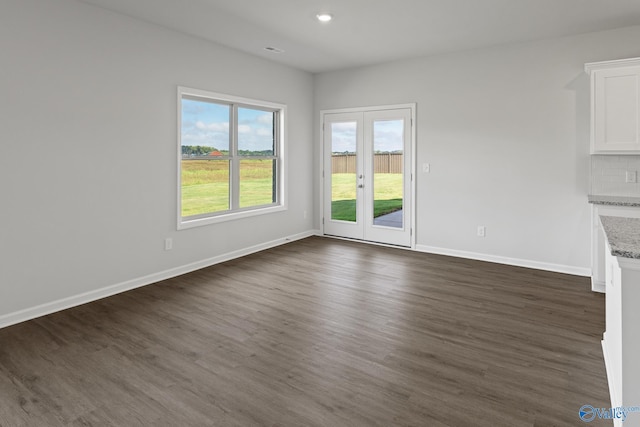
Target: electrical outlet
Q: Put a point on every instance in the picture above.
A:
(632, 177)
(168, 244)
(482, 231)
(426, 167)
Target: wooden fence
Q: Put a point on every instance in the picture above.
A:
(382, 163)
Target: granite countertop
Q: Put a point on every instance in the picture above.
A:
(623, 235)
(614, 200)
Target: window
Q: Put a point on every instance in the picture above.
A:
(230, 157)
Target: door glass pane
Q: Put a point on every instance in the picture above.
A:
(343, 171)
(388, 179)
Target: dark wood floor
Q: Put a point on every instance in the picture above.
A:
(318, 332)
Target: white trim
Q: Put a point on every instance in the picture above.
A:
(414, 172)
(598, 285)
(589, 67)
(229, 216)
(87, 297)
(627, 263)
(535, 265)
(75, 300)
(412, 106)
(183, 90)
(557, 268)
(320, 183)
(366, 242)
(280, 156)
(609, 370)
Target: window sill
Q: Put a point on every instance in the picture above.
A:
(184, 224)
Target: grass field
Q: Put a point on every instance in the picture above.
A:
(205, 185)
(205, 188)
(387, 195)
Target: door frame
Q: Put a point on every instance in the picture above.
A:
(412, 107)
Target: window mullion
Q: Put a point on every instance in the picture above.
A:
(234, 176)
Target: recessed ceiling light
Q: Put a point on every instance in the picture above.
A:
(324, 17)
(273, 49)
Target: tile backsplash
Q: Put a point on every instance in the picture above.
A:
(609, 175)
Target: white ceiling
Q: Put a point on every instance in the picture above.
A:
(366, 32)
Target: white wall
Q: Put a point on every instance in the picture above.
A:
(88, 168)
(88, 151)
(506, 133)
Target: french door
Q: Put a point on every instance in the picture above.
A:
(367, 175)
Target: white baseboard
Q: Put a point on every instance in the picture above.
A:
(598, 286)
(75, 300)
(566, 269)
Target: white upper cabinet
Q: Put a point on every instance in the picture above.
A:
(615, 106)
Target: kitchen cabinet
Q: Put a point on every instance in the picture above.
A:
(598, 238)
(620, 343)
(615, 106)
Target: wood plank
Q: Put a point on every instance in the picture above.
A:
(317, 332)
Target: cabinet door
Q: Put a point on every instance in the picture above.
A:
(616, 110)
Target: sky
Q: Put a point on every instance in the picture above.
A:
(387, 136)
(207, 123)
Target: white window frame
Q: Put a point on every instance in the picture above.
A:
(279, 154)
